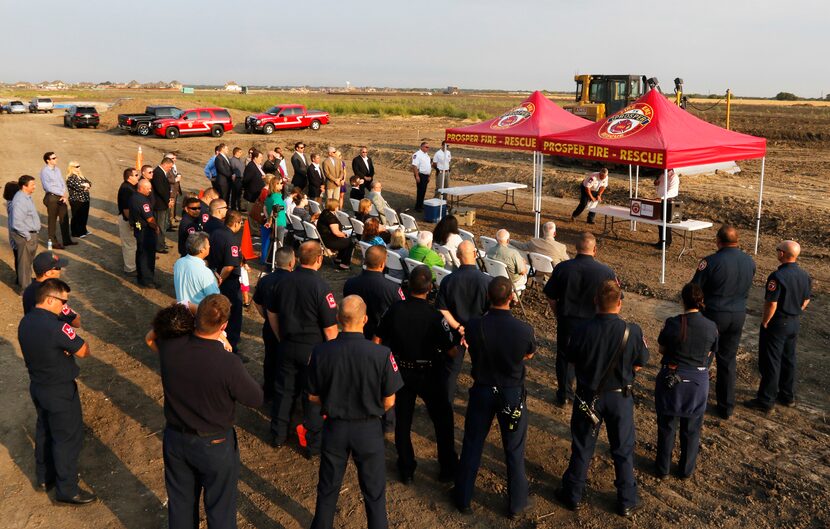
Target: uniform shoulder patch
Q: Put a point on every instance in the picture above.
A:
(702, 265)
(772, 284)
(400, 293)
(191, 230)
(394, 364)
(330, 299)
(205, 217)
(68, 330)
(146, 208)
(235, 251)
(66, 310)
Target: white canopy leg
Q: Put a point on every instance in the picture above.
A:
(665, 223)
(760, 199)
(636, 191)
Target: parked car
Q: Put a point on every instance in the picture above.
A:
(16, 107)
(41, 104)
(213, 121)
(286, 117)
(141, 124)
(81, 116)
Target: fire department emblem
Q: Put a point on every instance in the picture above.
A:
(513, 117)
(627, 122)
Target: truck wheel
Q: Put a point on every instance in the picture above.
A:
(268, 129)
(315, 125)
(143, 129)
(171, 133)
(217, 131)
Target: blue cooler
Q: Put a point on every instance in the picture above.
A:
(434, 209)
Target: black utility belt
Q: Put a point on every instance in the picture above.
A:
(362, 419)
(190, 431)
(415, 364)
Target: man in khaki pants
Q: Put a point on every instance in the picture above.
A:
(333, 174)
(125, 230)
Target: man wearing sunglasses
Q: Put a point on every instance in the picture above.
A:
(49, 346)
(191, 222)
(48, 265)
(55, 200)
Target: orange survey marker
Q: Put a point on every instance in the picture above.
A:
(139, 159)
(301, 436)
(247, 244)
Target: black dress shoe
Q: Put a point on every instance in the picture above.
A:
(566, 501)
(70, 243)
(561, 403)
(724, 414)
(82, 498)
(464, 510)
(757, 405)
(518, 514)
(627, 512)
(277, 442)
(45, 486)
(787, 403)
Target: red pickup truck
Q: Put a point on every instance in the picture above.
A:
(213, 121)
(286, 117)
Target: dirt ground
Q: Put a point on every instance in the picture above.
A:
(753, 471)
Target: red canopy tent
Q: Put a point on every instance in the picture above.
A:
(652, 132)
(521, 128)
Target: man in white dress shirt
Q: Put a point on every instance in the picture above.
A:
(441, 161)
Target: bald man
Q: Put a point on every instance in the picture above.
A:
(354, 381)
(787, 296)
(146, 230)
(512, 259)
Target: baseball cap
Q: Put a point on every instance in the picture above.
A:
(46, 261)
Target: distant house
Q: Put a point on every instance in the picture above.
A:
(452, 90)
(133, 85)
(233, 87)
(175, 85)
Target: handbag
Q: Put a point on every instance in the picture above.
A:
(589, 409)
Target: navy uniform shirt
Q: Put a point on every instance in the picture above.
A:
(464, 293)
(352, 376)
(125, 192)
(688, 340)
(595, 342)
(140, 212)
(414, 331)
(202, 382)
(725, 278)
(29, 298)
(264, 291)
(574, 283)
(377, 292)
(225, 250)
(305, 305)
(187, 226)
(48, 346)
(211, 224)
(498, 343)
(789, 286)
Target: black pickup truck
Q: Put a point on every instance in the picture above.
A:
(140, 123)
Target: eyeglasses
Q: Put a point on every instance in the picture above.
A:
(194, 209)
(63, 301)
(76, 166)
(53, 158)
(301, 147)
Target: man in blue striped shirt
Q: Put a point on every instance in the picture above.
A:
(55, 200)
(25, 225)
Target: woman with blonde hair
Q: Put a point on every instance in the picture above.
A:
(363, 210)
(78, 187)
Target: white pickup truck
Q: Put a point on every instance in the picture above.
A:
(41, 104)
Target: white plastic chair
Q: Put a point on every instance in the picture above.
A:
(440, 274)
(487, 243)
(467, 236)
(393, 279)
(449, 256)
(344, 219)
(394, 262)
(357, 227)
(411, 264)
(355, 204)
(412, 237)
(391, 217)
(373, 211)
(297, 227)
(409, 223)
(311, 232)
(542, 266)
(363, 247)
(498, 269)
(315, 207)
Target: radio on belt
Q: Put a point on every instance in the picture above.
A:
(653, 209)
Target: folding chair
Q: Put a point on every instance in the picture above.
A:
(345, 221)
(409, 223)
(411, 264)
(357, 228)
(467, 236)
(541, 268)
(312, 234)
(498, 269)
(440, 274)
(394, 263)
(391, 217)
(487, 243)
(297, 228)
(315, 207)
(449, 257)
(355, 204)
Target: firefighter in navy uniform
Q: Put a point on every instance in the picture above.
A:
(375, 290)
(725, 278)
(48, 265)
(191, 222)
(224, 259)
(606, 352)
(303, 313)
(420, 339)
(202, 384)
(285, 262)
(570, 292)
(146, 232)
(354, 381)
(500, 345)
(688, 343)
(787, 296)
(49, 348)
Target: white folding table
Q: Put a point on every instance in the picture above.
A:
(457, 194)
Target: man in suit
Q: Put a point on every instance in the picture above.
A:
(238, 169)
(545, 245)
(333, 174)
(161, 200)
(315, 178)
(224, 173)
(378, 201)
(300, 165)
(363, 167)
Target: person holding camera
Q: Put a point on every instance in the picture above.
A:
(606, 352)
(688, 343)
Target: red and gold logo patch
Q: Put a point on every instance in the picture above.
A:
(627, 122)
(513, 117)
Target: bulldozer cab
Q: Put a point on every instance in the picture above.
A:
(598, 96)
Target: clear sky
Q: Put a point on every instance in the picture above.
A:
(754, 47)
